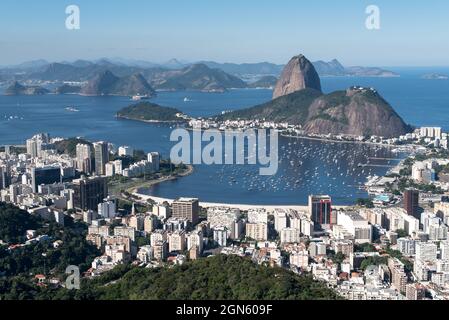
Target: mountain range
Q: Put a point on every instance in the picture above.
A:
(81, 70)
(173, 75)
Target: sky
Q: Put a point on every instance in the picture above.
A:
(412, 33)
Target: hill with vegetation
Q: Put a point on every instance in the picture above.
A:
(68, 146)
(215, 278)
(197, 77)
(147, 111)
(106, 83)
(292, 108)
(21, 262)
(355, 111)
(67, 89)
(264, 82)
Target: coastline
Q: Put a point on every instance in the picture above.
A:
(244, 207)
(339, 141)
(148, 184)
(310, 138)
(151, 121)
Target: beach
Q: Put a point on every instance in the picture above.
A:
(243, 207)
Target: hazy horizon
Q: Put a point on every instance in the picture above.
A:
(231, 31)
(131, 61)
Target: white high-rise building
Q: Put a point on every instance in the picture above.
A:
(299, 259)
(223, 217)
(154, 158)
(421, 173)
(118, 167)
(31, 147)
(124, 151)
(307, 226)
(158, 235)
(257, 231)
(101, 149)
(431, 132)
(426, 251)
(358, 227)
(145, 254)
(220, 236)
(162, 211)
(280, 219)
(177, 241)
(257, 216)
(398, 219)
(442, 210)
(195, 238)
(34, 145)
(109, 169)
(444, 250)
(107, 209)
(83, 158)
(434, 227)
(406, 246)
(137, 222)
(290, 235)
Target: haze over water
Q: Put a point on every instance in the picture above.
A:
(306, 166)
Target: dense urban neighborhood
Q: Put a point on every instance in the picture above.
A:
(68, 202)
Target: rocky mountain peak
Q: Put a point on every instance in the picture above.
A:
(297, 75)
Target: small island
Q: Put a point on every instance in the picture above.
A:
(151, 112)
(266, 82)
(17, 89)
(435, 76)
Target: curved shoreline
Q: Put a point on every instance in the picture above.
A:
(244, 207)
(149, 184)
(338, 141)
(150, 121)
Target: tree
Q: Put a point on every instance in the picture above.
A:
(373, 261)
(365, 202)
(339, 258)
(20, 264)
(218, 277)
(365, 247)
(401, 233)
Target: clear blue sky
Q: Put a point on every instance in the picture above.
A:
(413, 33)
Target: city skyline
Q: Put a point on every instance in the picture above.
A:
(226, 32)
(184, 168)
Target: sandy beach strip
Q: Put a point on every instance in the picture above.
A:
(243, 207)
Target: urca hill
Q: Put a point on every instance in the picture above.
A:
(298, 100)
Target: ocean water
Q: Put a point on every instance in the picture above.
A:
(305, 167)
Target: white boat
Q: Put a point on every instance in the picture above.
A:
(72, 109)
(187, 99)
(139, 97)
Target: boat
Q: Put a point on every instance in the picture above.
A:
(186, 99)
(139, 97)
(72, 109)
